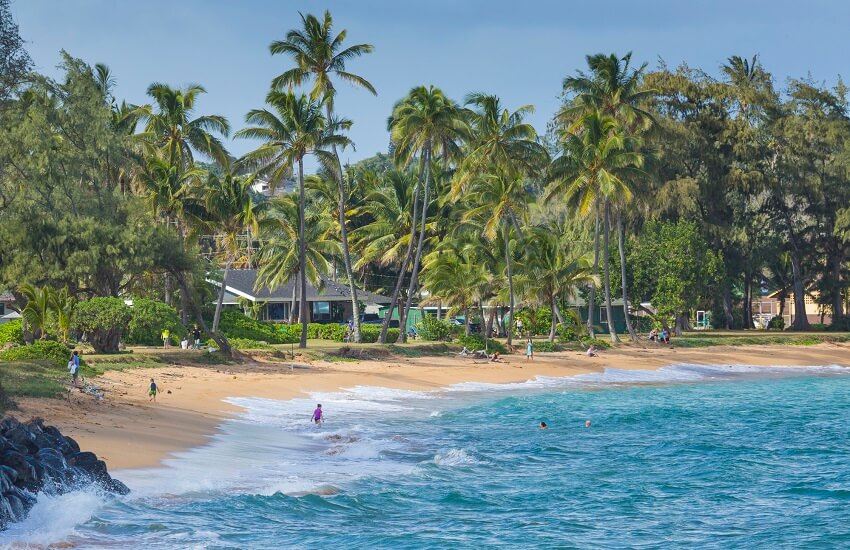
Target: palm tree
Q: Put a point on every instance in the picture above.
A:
(295, 129)
(63, 305)
(36, 312)
(613, 89)
(591, 174)
(453, 277)
(499, 203)
(320, 57)
(230, 208)
(500, 141)
(278, 257)
(169, 125)
(550, 274)
(423, 122)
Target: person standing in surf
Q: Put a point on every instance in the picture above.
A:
(317, 415)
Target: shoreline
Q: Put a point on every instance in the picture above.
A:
(127, 431)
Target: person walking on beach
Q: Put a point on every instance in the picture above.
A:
(196, 336)
(317, 415)
(529, 351)
(153, 391)
(74, 367)
(166, 336)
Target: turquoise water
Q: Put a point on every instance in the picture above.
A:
(689, 456)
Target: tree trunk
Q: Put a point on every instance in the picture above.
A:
(491, 316)
(414, 275)
(801, 320)
(612, 328)
(510, 327)
(402, 337)
(186, 289)
(292, 303)
(837, 299)
(554, 326)
(302, 258)
(681, 324)
(727, 305)
(591, 304)
(466, 320)
(220, 301)
(621, 236)
(748, 300)
(167, 289)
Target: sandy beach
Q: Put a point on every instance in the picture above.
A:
(128, 431)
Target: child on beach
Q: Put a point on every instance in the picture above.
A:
(153, 391)
(529, 351)
(317, 415)
(74, 367)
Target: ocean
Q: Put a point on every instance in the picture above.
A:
(687, 456)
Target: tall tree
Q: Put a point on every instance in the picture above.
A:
(423, 123)
(319, 56)
(15, 62)
(293, 127)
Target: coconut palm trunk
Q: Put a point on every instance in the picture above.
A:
(510, 327)
(414, 275)
(591, 304)
(302, 257)
(612, 328)
(382, 338)
(553, 329)
(621, 237)
(220, 301)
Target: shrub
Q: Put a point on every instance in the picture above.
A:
(475, 342)
(244, 343)
(777, 322)
(597, 342)
(148, 319)
(546, 346)
(314, 330)
(12, 332)
(289, 334)
(58, 354)
(234, 324)
(104, 320)
(431, 328)
(369, 334)
(333, 332)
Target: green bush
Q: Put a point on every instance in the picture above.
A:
(289, 334)
(431, 328)
(149, 318)
(333, 332)
(777, 322)
(242, 343)
(12, 332)
(546, 346)
(58, 354)
(104, 321)
(314, 330)
(369, 334)
(234, 324)
(475, 342)
(535, 320)
(598, 342)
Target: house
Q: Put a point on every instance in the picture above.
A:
(816, 313)
(330, 304)
(7, 312)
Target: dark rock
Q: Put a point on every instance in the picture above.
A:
(36, 458)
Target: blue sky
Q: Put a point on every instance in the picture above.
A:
(520, 51)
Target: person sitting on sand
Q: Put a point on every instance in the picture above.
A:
(543, 426)
(464, 352)
(653, 335)
(496, 357)
(592, 351)
(317, 415)
(665, 336)
(153, 391)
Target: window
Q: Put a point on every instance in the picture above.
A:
(321, 311)
(277, 312)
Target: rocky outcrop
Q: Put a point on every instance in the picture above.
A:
(35, 458)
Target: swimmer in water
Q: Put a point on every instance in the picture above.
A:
(587, 423)
(317, 415)
(543, 426)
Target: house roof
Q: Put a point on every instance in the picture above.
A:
(6, 298)
(240, 282)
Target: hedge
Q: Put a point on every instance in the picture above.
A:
(236, 325)
(291, 334)
(545, 346)
(12, 332)
(58, 354)
(475, 342)
(149, 318)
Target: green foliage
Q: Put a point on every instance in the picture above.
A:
(47, 350)
(243, 344)
(289, 334)
(12, 332)
(148, 319)
(586, 342)
(431, 328)
(546, 346)
(535, 320)
(777, 322)
(369, 334)
(475, 342)
(104, 320)
(674, 267)
(234, 324)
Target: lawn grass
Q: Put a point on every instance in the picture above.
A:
(33, 378)
(758, 338)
